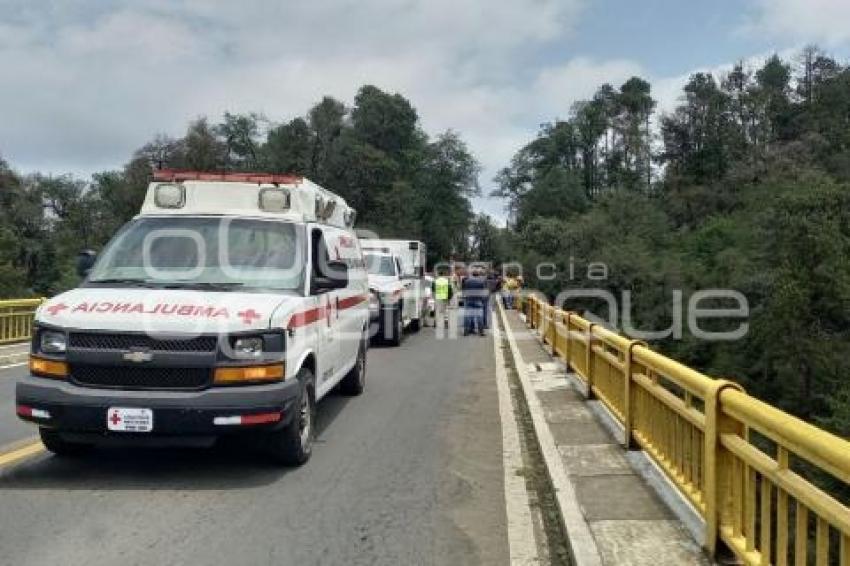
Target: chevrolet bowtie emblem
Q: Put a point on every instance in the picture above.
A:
(138, 357)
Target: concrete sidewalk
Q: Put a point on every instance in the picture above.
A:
(629, 523)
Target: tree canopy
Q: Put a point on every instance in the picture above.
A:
(745, 185)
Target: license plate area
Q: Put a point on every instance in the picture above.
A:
(129, 419)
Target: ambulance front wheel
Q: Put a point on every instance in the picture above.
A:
(293, 444)
(54, 442)
(396, 330)
(354, 381)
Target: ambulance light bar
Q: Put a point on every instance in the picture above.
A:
(178, 175)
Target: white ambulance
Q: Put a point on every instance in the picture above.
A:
(232, 303)
(398, 292)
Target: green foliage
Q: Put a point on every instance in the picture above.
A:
(754, 196)
(604, 146)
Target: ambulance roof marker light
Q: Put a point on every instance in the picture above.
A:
(169, 195)
(274, 199)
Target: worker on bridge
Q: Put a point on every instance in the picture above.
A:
(442, 290)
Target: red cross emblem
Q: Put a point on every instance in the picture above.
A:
(56, 309)
(115, 419)
(248, 316)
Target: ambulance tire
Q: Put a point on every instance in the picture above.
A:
(354, 381)
(397, 330)
(293, 444)
(54, 442)
(415, 324)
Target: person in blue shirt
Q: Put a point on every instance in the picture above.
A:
(475, 295)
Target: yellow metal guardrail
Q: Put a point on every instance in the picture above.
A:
(16, 318)
(736, 459)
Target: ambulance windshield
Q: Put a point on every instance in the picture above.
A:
(203, 253)
(379, 264)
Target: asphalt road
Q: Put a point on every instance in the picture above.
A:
(11, 428)
(409, 473)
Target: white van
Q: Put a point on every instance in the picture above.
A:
(399, 298)
(232, 303)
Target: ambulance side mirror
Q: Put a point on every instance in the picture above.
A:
(85, 261)
(335, 276)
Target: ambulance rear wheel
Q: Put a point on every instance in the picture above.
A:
(415, 324)
(61, 447)
(293, 444)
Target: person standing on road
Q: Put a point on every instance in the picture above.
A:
(442, 291)
(474, 303)
(493, 285)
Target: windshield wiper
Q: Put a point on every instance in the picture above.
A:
(125, 281)
(211, 285)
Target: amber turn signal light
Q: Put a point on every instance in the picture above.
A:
(48, 368)
(248, 374)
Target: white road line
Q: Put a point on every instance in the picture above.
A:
(9, 366)
(583, 545)
(523, 548)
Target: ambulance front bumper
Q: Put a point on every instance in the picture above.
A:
(83, 411)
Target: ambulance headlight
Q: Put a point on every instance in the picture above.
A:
(248, 346)
(52, 342)
(170, 196)
(374, 301)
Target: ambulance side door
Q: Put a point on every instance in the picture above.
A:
(352, 301)
(328, 342)
(351, 306)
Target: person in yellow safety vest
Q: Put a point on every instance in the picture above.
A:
(510, 288)
(443, 292)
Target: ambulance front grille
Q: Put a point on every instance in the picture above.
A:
(136, 377)
(108, 341)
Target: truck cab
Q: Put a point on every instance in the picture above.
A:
(231, 304)
(398, 294)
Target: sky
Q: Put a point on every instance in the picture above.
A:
(85, 83)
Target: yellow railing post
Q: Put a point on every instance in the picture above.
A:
(717, 469)
(589, 361)
(567, 347)
(16, 318)
(556, 314)
(628, 401)
(550, 325)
